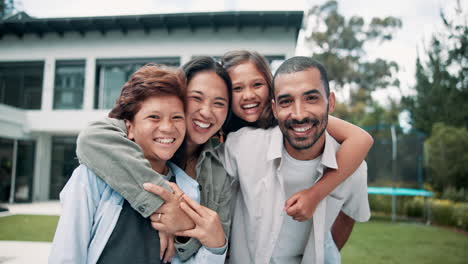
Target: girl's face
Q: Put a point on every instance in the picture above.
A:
(158, 127)
(207, 106)
(249, 91)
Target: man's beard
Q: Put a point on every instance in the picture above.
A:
(301, 143)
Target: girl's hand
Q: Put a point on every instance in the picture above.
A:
(301, 205)
(208, 229)
(169, 218)
(166, 248)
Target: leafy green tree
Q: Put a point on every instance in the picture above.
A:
(6, 7)
(339, 43)
(442, 78)
(448, 157)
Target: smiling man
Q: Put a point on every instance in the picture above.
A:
(273, 164)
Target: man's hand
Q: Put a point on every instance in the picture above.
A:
(166, 248)
(301, 205)
(169, 218)
(208, 229)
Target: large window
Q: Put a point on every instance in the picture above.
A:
(69, 84)
(24, 171)
(112, 74)
(64, 161)
(21, 84)
(22, 177)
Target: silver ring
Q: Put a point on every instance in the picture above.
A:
(159, 217)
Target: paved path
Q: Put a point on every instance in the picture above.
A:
(40, 208)
(20, 252)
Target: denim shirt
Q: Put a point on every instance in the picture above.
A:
(90, 210)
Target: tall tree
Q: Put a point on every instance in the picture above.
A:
(339, 43)
(6, 8)
(446, 149)
(442, 78)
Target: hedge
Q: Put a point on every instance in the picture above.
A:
(443, 212)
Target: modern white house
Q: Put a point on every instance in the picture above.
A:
(58, 74)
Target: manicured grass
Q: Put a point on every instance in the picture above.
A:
(403, 242)
(28, 227)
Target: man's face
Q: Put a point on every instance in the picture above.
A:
(301, 107)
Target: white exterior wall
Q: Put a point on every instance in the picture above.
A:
(12, 122)
(42, 124)
(115, 45)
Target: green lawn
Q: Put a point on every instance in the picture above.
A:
(28, 227)
(378, 241)
(384, 242)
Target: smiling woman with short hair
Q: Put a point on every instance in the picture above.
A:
(96, 222)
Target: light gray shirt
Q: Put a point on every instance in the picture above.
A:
(254, 157)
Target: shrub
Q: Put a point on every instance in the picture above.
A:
(415, 207)
(460, 215)
(443, 212)
(451, 193)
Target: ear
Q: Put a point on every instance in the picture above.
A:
(130, 128)
(331, 102)
(273, 108)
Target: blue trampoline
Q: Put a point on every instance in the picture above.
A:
(398, 191)
(394, 192)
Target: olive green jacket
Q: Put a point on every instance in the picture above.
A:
(103, 147)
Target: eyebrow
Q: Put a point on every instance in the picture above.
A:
(198, 92)
(313, 91)
(216, 98)
(221, 98)
(283, 96)
(159, 112)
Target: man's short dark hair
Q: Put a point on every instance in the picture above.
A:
(298, 64)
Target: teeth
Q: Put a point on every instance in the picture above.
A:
(248, 106)
(201, 124)
(165, 140)
(301, 129)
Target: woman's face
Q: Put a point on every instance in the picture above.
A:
(207, 106)
(249, 91)
(158, 127)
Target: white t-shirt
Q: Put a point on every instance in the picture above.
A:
(297, 175)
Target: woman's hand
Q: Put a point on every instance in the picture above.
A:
(208, 229)
(166, 248)
(169, 218)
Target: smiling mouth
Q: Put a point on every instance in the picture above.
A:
(302, 129)
(165, 140)
(250, 106)
(201, 124)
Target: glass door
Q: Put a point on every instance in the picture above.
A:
(6, 166)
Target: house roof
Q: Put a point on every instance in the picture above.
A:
(21, 23)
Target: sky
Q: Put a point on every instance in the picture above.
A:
(420, 20)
